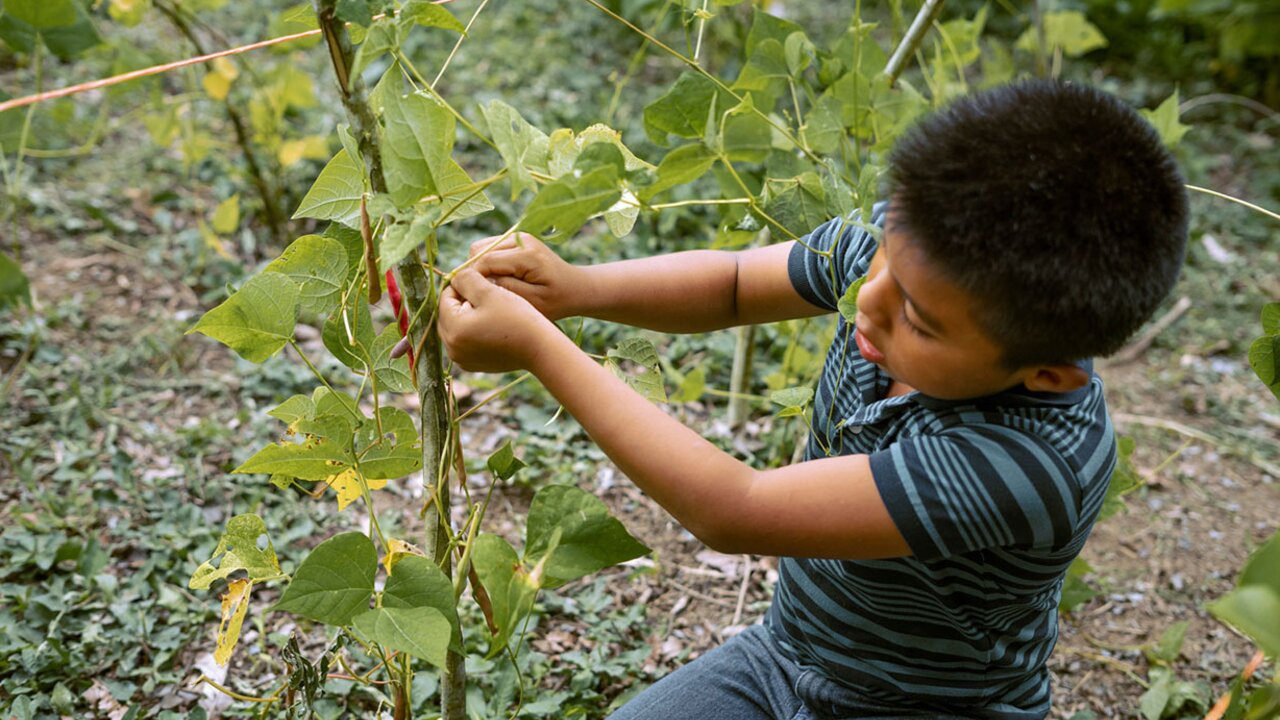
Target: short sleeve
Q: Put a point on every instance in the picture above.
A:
(976, 487)
(821, 278)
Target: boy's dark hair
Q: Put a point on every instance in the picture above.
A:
(1055, 205)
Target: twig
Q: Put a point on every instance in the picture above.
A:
(1246, 203)
(915, 34)
(1213, 98)
(1134, 349)
(742, 591)
(1187, 430)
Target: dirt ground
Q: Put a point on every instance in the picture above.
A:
(1177, 547)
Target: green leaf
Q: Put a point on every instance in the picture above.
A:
(692, 385)
(422, 632)
(503, 463)
(383, 37)
(682, 165)
(765, 26)
(334, 583)
(394, 453)
(14, 286)
(796, 397)
(336, 193)
(1156, 698)
(417, 141)
(590, 539)
(621, 216)
(848, 303)
(42, 14)
(1255, 611)
(1271, 318)
(227, 215)
(1124, 479)
(799, 51)
(1263, 567)
(401, 239)
(1076, 591)
(523, 147)
(510, 587)
(429, 14)
(298, 407)
(684, 109)
(239, 549)
(316, 458)
(1264, 358)
(1170, 645)
(647, 379)
(65, 41)
(349, 335)
(567, 203)
(318, 265)
(257, 320)
(765, 74)
(746, 136)
(798, 203)
(417, 582)
(1165, 120)
(1067, 29)
(393, 375)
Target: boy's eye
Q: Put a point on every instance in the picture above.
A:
(914, 328)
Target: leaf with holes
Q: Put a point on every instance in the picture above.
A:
(334, 583)
(318, 265)
(235, 603)
(647, 377)
(393, 374)
(561, 207)
(258, 320)
(390, 449)
(244, 545)
(523, 147)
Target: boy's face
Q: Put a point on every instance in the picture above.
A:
(920, 327)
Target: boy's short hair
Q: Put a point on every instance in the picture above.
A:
(1055, 205)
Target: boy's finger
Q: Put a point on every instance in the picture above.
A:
(470, 286)
(502, 264)
(480, 245)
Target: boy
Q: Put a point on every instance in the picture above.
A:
(961, 447)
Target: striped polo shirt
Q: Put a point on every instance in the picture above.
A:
(995, 497)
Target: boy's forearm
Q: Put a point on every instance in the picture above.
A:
(689, 476)
(685, 292)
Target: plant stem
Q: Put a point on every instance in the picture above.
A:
(418, 289)
(1224, 196)
(740, 379)
(911, 41)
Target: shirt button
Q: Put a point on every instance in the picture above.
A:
(855, 429)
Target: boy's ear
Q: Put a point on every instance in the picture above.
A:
(1059, 378)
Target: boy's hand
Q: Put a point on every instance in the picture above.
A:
(528, 268)
(486, 328)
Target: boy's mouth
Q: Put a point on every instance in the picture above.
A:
(870, 352)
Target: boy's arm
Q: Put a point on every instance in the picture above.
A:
(693, 291)
(821, 508)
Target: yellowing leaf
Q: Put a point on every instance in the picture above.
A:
(216, 86)
(227, 216)
(1067, 29)
(398, 549)
(217, 82)
(235, 603)
(313, 147)
(1165, 120)
(128, 12)
(348, 486)
(212, 241)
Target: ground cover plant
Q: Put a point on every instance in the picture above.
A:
(786, 131)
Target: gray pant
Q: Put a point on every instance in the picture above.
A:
(749, 678)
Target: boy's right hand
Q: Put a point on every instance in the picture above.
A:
(525, 266)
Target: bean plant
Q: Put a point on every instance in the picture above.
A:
(796, 136)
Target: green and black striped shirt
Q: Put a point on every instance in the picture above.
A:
(995, 497)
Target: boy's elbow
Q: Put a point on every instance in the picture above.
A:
(723, 525)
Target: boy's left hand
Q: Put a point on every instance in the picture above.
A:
(487, 328)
